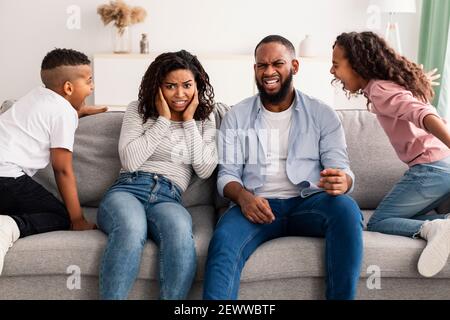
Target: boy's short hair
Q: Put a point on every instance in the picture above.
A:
(64, 57)
(52, 74)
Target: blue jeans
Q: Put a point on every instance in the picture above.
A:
(338, 219)
(137, 204)
(403, 210)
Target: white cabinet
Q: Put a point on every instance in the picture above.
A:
(117, 78)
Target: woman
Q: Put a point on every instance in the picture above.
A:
(166, 135)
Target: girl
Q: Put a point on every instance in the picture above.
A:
(399, 93)
(165, 136)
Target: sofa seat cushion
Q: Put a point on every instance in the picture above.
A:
(292, 257)
(53, 253)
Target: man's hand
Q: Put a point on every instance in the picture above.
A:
(335, 181)
(161, 106)
(255, 209)
(189, 112)
(90, 110)
(82, 224)
(432, 76)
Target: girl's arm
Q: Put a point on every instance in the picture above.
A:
(202, 149)
(438, 128)
(139, 141)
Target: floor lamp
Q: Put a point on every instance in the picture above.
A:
(392, 7)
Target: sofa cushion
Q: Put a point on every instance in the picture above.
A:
(53, 252)
(372, 158)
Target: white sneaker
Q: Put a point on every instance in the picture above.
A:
(434, 256)
(9, 233)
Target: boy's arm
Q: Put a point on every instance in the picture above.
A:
(86, 110)
(65, 179)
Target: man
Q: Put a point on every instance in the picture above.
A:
(284, 165)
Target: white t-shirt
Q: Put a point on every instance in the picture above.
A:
(35, 123)
(277, 184)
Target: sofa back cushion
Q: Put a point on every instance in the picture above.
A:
(372, 158)
(95, 158)
(97, 165)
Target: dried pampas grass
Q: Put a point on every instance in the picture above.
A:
(122, 14)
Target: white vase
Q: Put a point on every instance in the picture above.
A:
(122, 40)
(307, 47)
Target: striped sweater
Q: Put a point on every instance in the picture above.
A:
(173, 149)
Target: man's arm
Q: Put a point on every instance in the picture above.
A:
(337, 177)
(65, 179)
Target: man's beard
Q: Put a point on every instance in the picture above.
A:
(280, 95)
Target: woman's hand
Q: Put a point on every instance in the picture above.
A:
(188, 114)
(161, 106)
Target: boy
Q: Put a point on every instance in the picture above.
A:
(37, 129)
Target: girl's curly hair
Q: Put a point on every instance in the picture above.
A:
(158, 70)
(372, 58)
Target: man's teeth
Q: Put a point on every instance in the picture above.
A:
(271, 81)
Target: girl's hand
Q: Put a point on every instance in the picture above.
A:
(161, 106)
(188, 114)
(432, 76)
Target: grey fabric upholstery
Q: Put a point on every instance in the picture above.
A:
(38, 267)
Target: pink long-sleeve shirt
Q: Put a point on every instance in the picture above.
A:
(401, 115)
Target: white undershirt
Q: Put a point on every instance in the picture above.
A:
(35, 123)
(277, 184)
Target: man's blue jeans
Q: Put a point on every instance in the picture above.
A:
(403, 210)
(136, 204)
(338, 219)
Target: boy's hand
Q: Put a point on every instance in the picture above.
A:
(90, 110)
(334, 181)
(161, 106)
(82, 224)
(188, 114)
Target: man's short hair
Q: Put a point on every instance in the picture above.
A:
(276, 38)
(55, 68)
(64, 57)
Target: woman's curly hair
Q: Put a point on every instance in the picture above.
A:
(372, 58)
(156, 73)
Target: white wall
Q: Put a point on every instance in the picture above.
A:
(31, 28)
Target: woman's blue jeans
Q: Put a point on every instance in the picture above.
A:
(338, 219)
(139, 205)
(403, 210)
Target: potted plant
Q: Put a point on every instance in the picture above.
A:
(123, 17)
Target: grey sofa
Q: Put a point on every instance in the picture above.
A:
(65, 264)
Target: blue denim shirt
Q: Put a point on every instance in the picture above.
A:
(316, 141)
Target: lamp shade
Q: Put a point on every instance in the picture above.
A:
(395, 6)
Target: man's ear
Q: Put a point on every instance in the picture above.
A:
(68, 88)
(295, 66)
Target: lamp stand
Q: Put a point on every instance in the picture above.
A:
(393, 30)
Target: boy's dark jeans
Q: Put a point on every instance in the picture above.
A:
(34, 209)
